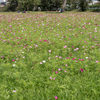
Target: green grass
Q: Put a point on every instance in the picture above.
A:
(29, 71)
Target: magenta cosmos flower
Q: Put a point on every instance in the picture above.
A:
(73, 58)
(67, 57)
(81, 69)
(56, 97)
(13, 60)
(56, 72)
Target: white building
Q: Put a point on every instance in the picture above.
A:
(3, 3)
(3, 0)
(94, 2)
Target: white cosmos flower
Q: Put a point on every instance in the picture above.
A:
(43, 61)
(13, 65)
(86, 57)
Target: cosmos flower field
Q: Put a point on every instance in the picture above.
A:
(48, 56)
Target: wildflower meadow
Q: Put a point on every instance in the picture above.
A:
(48, 56)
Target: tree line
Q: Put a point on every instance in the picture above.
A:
(46, 5)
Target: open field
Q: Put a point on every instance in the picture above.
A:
(48, 56)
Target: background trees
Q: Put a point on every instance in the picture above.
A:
(28, 4)
(48, 5)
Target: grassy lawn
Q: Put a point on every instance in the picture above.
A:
(48, 56)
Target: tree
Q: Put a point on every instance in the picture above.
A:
(45, 4)
(50, 4)
(12, 5)
(83, 5)
(57, 3)
(64, 5)
(27, 3)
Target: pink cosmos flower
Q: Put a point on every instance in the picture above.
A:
(50, 77)
(56, 56)
(65, 71)
(82, 70)
(59, 69)
(49, 58)
(82, 59)
(56, 97)
(96, 61)
(66, 65)
(60, 57)
(65, 46)
(36, 45)
(41, 63)
(49, 50)
(53, 78)
(14, 91)
(72, 46)
(77, 48)
(45, 40)
(2, 56)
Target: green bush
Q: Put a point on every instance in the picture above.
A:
(95, 7)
